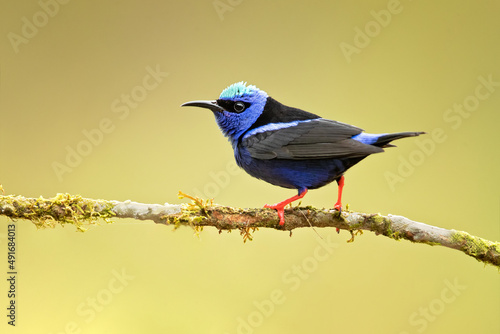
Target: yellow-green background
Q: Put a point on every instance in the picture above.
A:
(64, 80)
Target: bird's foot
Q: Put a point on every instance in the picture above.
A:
(280, 207)
(281, 211)
(338, 207)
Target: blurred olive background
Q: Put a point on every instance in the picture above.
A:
(85, 71)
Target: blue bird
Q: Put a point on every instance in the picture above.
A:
(290, 147)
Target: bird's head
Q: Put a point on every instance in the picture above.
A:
(236, 109)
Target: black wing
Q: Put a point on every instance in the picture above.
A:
(312, 139)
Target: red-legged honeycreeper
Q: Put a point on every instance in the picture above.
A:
(290, 147)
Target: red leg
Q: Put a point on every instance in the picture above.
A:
(280, 207)
(338, 205)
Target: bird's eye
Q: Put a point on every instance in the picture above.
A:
(239, 106)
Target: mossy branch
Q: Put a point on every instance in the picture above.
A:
(81, 212)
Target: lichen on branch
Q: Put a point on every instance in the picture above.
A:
(82, 212)
(61, 209)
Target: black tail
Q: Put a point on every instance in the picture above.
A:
(384, 141)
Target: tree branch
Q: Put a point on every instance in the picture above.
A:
(81, 212)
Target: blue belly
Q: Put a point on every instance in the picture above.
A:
(295, 174)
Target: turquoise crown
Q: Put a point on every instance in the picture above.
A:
(238, 90)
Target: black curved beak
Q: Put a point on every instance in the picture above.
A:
(212, 105)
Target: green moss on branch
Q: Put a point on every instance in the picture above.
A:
(81, 212)
(61, 209)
